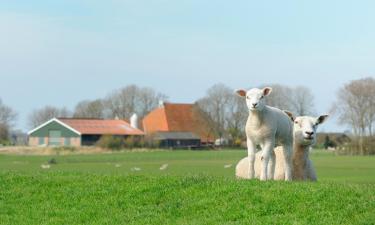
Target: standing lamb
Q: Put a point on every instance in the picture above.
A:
(267, 126)
(304, 137)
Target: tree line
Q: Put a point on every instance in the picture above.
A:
(222, 110)
(355, 107)
(121, 103)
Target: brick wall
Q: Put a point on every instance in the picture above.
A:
(34, 141)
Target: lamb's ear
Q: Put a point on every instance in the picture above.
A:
(291, 116)
(241, 92)
(267, 91)
(321, 119)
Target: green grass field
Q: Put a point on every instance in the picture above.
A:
(197, 187)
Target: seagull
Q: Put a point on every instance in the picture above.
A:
(45, 167)
(228, 166)
(164, 167)
(135, 169)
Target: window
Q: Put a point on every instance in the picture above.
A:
(54, 138)
(41, 140)
(67, 141)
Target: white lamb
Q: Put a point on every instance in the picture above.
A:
(303, 168)
(267, 126)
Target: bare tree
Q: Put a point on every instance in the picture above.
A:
(4, 132)
(90, 109)
(370, 116)
(131, 99)
(237, 116)
(40, 116)
(7, 114)
(216, 105)
(7, 118)
(203, 124)
(355, 107)
(148, 99)
(298, 100)
(281, 97)
(302, 101)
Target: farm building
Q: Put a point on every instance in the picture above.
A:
(79, 132)
(178, 126)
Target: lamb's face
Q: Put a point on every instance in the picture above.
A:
(305, 128)
(255, 98)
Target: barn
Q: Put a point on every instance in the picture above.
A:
(178, 126)
(79, 132)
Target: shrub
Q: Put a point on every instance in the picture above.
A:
(130, 142)
(111, 142)
(65, 148)
(237, 142)
(150, 142)
(141, 143)
(117, 143)
(328, 143)
(5, 143)
(354, 147)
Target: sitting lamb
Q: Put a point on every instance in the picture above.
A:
(304, 137)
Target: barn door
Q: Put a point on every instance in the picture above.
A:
(54, 138)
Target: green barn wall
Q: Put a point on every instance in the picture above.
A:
(44, 131)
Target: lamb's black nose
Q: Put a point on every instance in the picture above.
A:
(309, 133)
(255, 105)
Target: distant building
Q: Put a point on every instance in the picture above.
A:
(178, 126)
(79, 132)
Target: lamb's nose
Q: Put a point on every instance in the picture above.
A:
(255, 105)
(309, 133)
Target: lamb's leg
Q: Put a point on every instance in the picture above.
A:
(288, 161)
(251, 150)
(266, 155)
(271, 166)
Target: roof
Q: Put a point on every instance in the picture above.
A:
(57, 121)
(101, 126)
(177, 118)
(176, 136)
(94, 126)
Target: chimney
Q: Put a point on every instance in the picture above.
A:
(134, 121)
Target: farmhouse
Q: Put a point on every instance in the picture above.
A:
(178, 126)
(79, 132)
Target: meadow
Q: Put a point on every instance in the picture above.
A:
(180, 187)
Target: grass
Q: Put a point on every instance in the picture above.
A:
(194, 189)
(329, 167)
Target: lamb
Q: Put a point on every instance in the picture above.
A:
(267, 126)
(303, 168)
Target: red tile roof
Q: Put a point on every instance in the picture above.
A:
(177, 118)
(101, 127)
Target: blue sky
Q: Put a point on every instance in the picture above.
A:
(61, 52)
